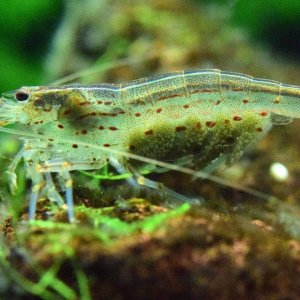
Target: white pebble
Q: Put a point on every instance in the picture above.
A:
(279, 172)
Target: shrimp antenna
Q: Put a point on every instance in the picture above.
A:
(98, 68)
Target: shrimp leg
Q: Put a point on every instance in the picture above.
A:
(140, 180)
(11, 170)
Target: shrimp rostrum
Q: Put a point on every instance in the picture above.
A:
(193, 119)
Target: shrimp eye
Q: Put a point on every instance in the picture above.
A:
(21, 96)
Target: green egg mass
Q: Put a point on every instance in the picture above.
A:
(200, 141)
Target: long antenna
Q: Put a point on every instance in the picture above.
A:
(100, 68)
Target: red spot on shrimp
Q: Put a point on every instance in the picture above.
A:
(180, 128)
(263, 113)
(245, 101)
(198, 125)
(75, 146)
(84, 131)
(107, 103)
(106, 145)
(60, 126)
(84, 103)
(185, 106)
(168, 97)
(206, 91)
(101, 127)
(210, 124)
(107, 114)
(159, 110)
(149, 132)
(67, 111)
(112, 128)
(137, 114)
(99, 102)
(237, 118)
(259, 129)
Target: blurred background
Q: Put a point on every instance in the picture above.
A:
(26, 30)
(44, 40)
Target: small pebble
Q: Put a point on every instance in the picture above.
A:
(279, 172)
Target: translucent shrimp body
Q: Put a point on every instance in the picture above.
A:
(194, 118)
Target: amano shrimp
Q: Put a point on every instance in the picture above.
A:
(195, 119)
